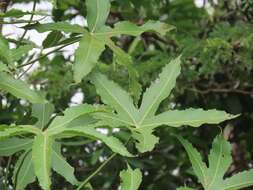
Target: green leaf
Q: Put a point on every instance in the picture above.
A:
(19, 89)
(219, 161)
(9, 131)
(57, 26)
(145, 140)
(128, 28)
(3, 67)
(17, 54)
(131, 179)
(191, 117)
(12, 145)
(97, 13)
(86, 56)
(24, 171)
(52, 39)
(159, 90)
(42, 158)
(199, 167)
(239, 181)
(113, 95)
(71, 114)
(5, 54)
(62, 167)
(43, 113)
(92, 133)
(184, 188)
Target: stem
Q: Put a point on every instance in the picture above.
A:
(96, 171)
(29, 22)
(45, 55)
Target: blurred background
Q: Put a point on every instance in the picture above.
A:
(215, 38)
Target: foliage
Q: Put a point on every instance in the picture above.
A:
(126, 61)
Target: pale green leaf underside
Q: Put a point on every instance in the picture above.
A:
(92, 133)
(145, 140)
(128, 28)
(131, 179)
(19, 89)
(24, 171)
(97, 13)
(219, 161)
(12, 145)
(159, 90)
(86, 56)
(191, 117)
(198, 165)
(17, 54)
(42, 159)
(113, 95)
(212, 178)
(61, 166)
(59, 26)
(71, 114)
(239, 181)
(184, 188)
(43, 113)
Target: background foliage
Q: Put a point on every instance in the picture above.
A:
(216, 46)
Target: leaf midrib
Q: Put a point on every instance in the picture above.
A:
(156, 98)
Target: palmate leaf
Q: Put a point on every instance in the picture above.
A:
(42, 159)
(86, 56)
(19, 89)
(97, 13)
(24, 171)
(219, 161)
(12, 145)
(43, 113)
(142, 122)
(131, 179)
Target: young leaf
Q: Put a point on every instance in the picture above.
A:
(97, 13)
(159, 90)
(199, 167)
(19, 89)
(62, 167)
(12, 145)
(42, 158)
(92, 133)
(128, 28)
(43, 113)
(191, 117)
(24, 171)
(131, 179)
(219, 161)
(113, 95)
(86, 56)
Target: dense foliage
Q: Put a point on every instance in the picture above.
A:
(152, 73)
